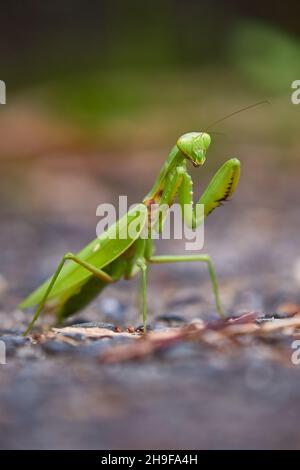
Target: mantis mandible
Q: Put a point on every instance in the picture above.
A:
(80, 277)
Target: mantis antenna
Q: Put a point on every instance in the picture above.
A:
(236, 112)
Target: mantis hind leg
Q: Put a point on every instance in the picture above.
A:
(103, 276)
(191, 258)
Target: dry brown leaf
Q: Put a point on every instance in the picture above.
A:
(286, 323)
(240, 329)
(248, 317)
(245, 318)
(94, 333)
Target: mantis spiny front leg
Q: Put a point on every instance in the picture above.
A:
(220, 188)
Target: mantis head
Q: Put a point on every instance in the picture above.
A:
(194, 146)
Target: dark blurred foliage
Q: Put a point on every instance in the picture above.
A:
(115, 74)
(44, 40)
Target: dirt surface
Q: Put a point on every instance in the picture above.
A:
(216, 393)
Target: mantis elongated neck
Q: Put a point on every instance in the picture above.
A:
(175, 158)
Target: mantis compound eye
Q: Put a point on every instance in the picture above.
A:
(206, 140)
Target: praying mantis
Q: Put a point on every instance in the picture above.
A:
(80, 277)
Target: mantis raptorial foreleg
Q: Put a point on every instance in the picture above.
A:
(190, 258)
(220, 188)
(103, 276)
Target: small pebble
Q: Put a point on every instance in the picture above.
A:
(159, 327)
(12, 343)
(276, 316)
(95, 348)
(181, 350)
(10, 331)
(264, 319)
(171, 318)
(15, 340)
(75, 336)
(57, 347)
(197, 322)
(140, 328)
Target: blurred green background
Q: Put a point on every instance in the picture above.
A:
(110, 74)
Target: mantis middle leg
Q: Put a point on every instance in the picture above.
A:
(144, 289)
(191, 258)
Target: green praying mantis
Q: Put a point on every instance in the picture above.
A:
(80, 277)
